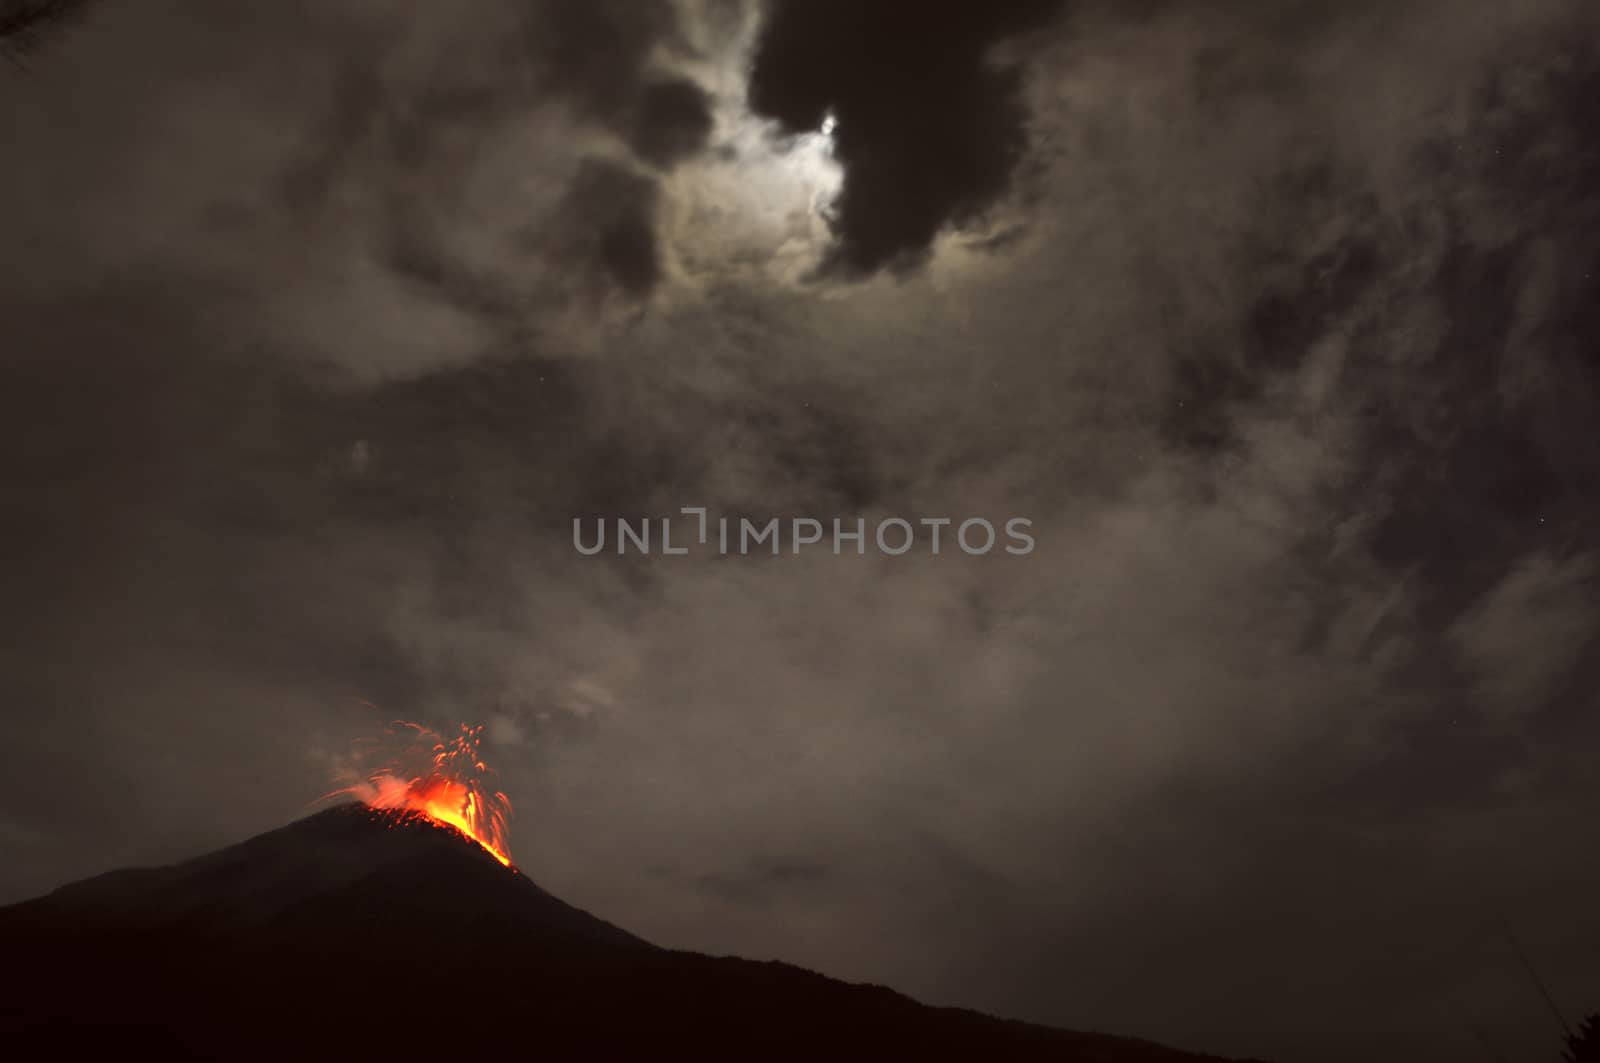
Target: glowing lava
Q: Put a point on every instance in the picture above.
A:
(444, 782)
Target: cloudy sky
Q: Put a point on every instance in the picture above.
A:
(323, 321)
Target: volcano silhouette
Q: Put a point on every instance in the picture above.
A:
(349, 935)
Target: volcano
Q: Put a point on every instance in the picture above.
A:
(358, 932)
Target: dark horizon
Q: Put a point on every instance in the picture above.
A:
(1274, 320)
(303, 941)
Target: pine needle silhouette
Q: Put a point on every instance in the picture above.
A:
(1584, 1046)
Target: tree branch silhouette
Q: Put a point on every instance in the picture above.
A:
(27, 25)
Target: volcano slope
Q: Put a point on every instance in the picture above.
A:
(351, 932)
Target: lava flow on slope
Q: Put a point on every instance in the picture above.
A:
(422, 775)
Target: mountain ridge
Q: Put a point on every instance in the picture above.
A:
(354, 931)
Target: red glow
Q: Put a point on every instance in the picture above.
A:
(447, 784)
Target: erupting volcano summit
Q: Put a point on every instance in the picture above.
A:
(353, 935)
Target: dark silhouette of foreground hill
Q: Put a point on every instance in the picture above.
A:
(346, 933)
(1584, 1045)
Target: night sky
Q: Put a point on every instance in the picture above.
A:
(1279, 320)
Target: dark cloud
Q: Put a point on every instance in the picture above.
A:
(1474, 437)
(930, 126)
(662, 118)
(417, 133)
(1302, 301)
(524, 56)
(617, 209)
(567, 42)
(671, 121)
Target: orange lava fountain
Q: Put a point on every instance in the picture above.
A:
(442, 781)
